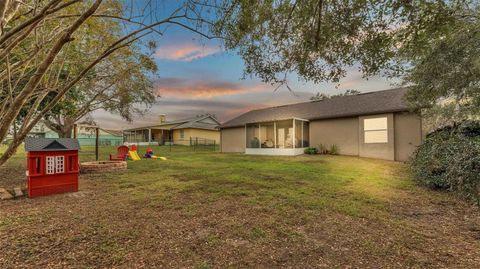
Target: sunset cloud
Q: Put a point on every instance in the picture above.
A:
(185, 52)
(176, 87)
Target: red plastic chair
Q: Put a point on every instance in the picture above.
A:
(122, 153)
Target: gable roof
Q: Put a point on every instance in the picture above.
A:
(113, 132)
(199, 123)
(385, 101)
(195, 122)
(51, 144)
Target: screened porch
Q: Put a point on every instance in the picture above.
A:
(285, 137)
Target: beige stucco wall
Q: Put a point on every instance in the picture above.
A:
(233, 139)
(384, 151)
(408, 135)
(208, 134)
(341, 132)
(193, 133)
(181, 141)
(404, 135)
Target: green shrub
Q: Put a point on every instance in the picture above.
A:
(311, 150)
(333, 149)
(450, 159)
(322, 149)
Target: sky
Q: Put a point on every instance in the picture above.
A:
(197, 76)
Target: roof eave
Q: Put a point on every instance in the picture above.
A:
(360, 114)
(327, 117)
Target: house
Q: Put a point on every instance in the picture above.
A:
(376, 125)
(40, 130)
(199, 129)
(86, 136)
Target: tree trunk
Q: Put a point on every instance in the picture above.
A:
(65, 131)
(12, 148)
(63, 128)
(34, 80)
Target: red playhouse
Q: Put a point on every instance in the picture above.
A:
(52, 165)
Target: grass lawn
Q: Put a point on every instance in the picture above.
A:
(213, 210)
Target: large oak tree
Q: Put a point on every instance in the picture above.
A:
(38, 49)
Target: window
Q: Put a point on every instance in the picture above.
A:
(50, 165)
(35, 164)
(298, 133)
(72, 164)
(59, 164)
(306, 134)
(182, 134)
(38, 165)
(267, 135)
(375, 130)
(252, 135)
(285, 134)
(55, 165)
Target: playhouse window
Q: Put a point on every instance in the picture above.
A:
(59, 164)
(50, 165)
(72, 163)
(37, 165)
(55, 165)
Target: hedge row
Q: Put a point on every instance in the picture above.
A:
(450, 159)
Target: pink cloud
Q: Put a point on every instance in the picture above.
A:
(175, 87)
(185, 52)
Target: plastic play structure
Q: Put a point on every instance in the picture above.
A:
(123, 152)
(52, 165)
(151, 155)
(133, 155)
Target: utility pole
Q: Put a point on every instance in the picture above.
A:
(97, 135)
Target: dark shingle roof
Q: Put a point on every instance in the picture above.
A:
(51, 144)
(338, 107)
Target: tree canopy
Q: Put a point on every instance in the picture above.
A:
(56, 54)
(320, 39)
(445, 80)
(431, 45)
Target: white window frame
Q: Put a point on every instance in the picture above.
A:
(182, 134)
(375, 130)
(59, 164)
(50, 165)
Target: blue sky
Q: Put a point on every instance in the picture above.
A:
(197, 76)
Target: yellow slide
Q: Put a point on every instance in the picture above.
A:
(133, 155)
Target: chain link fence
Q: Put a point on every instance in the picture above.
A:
(106, 147)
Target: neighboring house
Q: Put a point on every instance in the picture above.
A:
(85, 134)
(40, 130)
(376, 125)
(106, 137)
(200, 129)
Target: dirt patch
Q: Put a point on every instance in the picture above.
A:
(12, 174)
(103, 166)
(227, 232)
